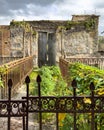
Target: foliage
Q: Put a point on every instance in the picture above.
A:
(1, 82)
(72, 24)
(89, 24)
(3, 70)
(33, 85)
(52, 84)
(25, 25)
(84, 75)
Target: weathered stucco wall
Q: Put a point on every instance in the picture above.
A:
(48, 40)
(78, 38)
(22, 43)
(78, 43)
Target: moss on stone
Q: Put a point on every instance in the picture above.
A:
(88, 24)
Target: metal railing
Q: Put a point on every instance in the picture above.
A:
(92, 61)
(17, 71)
(4, 60)
(51, 104)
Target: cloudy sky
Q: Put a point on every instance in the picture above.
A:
(49, 9)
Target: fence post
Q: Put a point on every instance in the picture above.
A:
(92, 87)
(27, 81)
(74, 85)
(40, 105)
(9, 101)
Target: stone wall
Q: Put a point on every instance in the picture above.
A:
(4, 41)
(78, 36)
(23, 43)
(101, 45)
(78, 43)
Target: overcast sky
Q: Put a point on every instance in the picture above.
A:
(49, 9)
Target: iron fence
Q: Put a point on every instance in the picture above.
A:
(4, 60)
(92, 61)
(50, 104)
(17, 71)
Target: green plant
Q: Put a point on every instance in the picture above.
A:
(90, 24)
(24, 25)
(3, 71)
(84, 75)
(52, 84)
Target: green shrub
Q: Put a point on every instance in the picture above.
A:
(84, 75)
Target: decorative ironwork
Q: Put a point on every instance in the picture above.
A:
(45, 104)
(17, 108)
(17, 71)
(66, 104)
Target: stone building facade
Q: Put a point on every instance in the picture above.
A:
(74, 38)
(23, 41)
(50, 39)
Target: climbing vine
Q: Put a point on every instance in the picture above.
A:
(23, 24)
(88, 24)
(3, 70)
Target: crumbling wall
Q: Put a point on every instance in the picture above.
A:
(78, 43)
(23, 41)
(79, 37)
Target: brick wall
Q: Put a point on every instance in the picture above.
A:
(4, 41)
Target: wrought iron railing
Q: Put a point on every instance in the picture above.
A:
(4, 60)
(45, 104)
(92, 61)
(17, 71)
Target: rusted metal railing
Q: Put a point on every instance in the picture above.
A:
(4, 60)
(51, 104)
(17, 71)
(92, 61)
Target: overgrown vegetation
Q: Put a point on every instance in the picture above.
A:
(25, 25)
(3, 70)
(84, 75)
(52, 81)
(88, 24)
(53, 84)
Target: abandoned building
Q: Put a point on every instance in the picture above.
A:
(47, 40)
